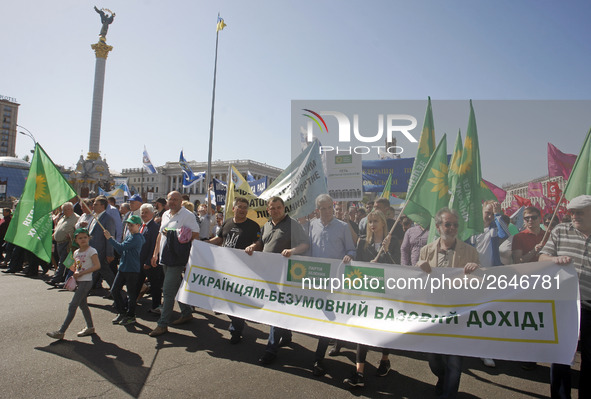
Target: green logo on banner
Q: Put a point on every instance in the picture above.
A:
(298, 269)
(339, 159)
(369, 279)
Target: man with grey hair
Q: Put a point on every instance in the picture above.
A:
(155, 275)
(63, 235)
(329, 238)
(447, 251)
(570, 243)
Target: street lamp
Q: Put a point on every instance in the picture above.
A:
(30, 135)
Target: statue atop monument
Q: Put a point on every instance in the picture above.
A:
(106, 20)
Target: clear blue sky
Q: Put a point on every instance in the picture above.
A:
(159, 75)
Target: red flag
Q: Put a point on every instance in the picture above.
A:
(553, 190)
(535, 190)
(559, 163)
(497, 191)
(522, 201)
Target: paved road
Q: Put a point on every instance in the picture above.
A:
(197, 361)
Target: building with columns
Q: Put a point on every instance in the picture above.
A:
(170, 177)
(521, 189)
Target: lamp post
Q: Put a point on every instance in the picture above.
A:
(30, 135)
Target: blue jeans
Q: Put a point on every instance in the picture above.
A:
(173, 276)
(130, 280)
(275, 335)
(448, 368)
(560, 379)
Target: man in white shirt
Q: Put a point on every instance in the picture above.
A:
(173, 219)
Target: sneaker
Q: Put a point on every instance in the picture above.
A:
(318, 370)
(488, 362)
(182, 320)
(56, 335)
(356, 380)
(155, 311)
(158, 331)
(127, 321)
(118, 319)
(86, 332)
(267, 358)
(383, 368)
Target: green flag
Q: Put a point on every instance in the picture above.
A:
(579, 182)
(48, 188)
(387, 187)
(454, 167)
(431, 192)
(467, 193)
(426, 147)
(454, 163)
(45, 190)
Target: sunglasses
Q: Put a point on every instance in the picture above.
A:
(450, 224)
(528, 218)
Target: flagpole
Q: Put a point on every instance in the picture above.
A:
(215, 68)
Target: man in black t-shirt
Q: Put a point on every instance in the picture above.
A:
(238, 232)
(282, 235)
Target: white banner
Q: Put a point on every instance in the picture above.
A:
(344, 177)
(526, 312)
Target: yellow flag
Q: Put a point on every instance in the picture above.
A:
(221, 24)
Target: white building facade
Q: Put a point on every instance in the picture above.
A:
(170, 177)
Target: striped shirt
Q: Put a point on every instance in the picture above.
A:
(565, 240)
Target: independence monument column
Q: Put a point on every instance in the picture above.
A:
(93, 172)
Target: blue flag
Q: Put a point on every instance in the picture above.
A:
(189, 178)
(148, 163)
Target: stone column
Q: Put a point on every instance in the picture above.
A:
(101, 49)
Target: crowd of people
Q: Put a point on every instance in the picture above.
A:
(145, 246)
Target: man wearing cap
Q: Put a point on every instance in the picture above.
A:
(135, 202)
(161, 207)
(129, 270)
(173, 219)
(570, 242)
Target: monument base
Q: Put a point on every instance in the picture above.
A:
(90, 174)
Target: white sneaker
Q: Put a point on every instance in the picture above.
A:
(488, 362)
(56, 335)
(86, 332)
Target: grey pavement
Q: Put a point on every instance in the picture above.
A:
(196, 360)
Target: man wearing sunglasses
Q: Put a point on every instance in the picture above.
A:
(447, 251)
(528, 243)
(571, 242)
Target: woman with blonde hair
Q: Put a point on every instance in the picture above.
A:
(367, 251)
